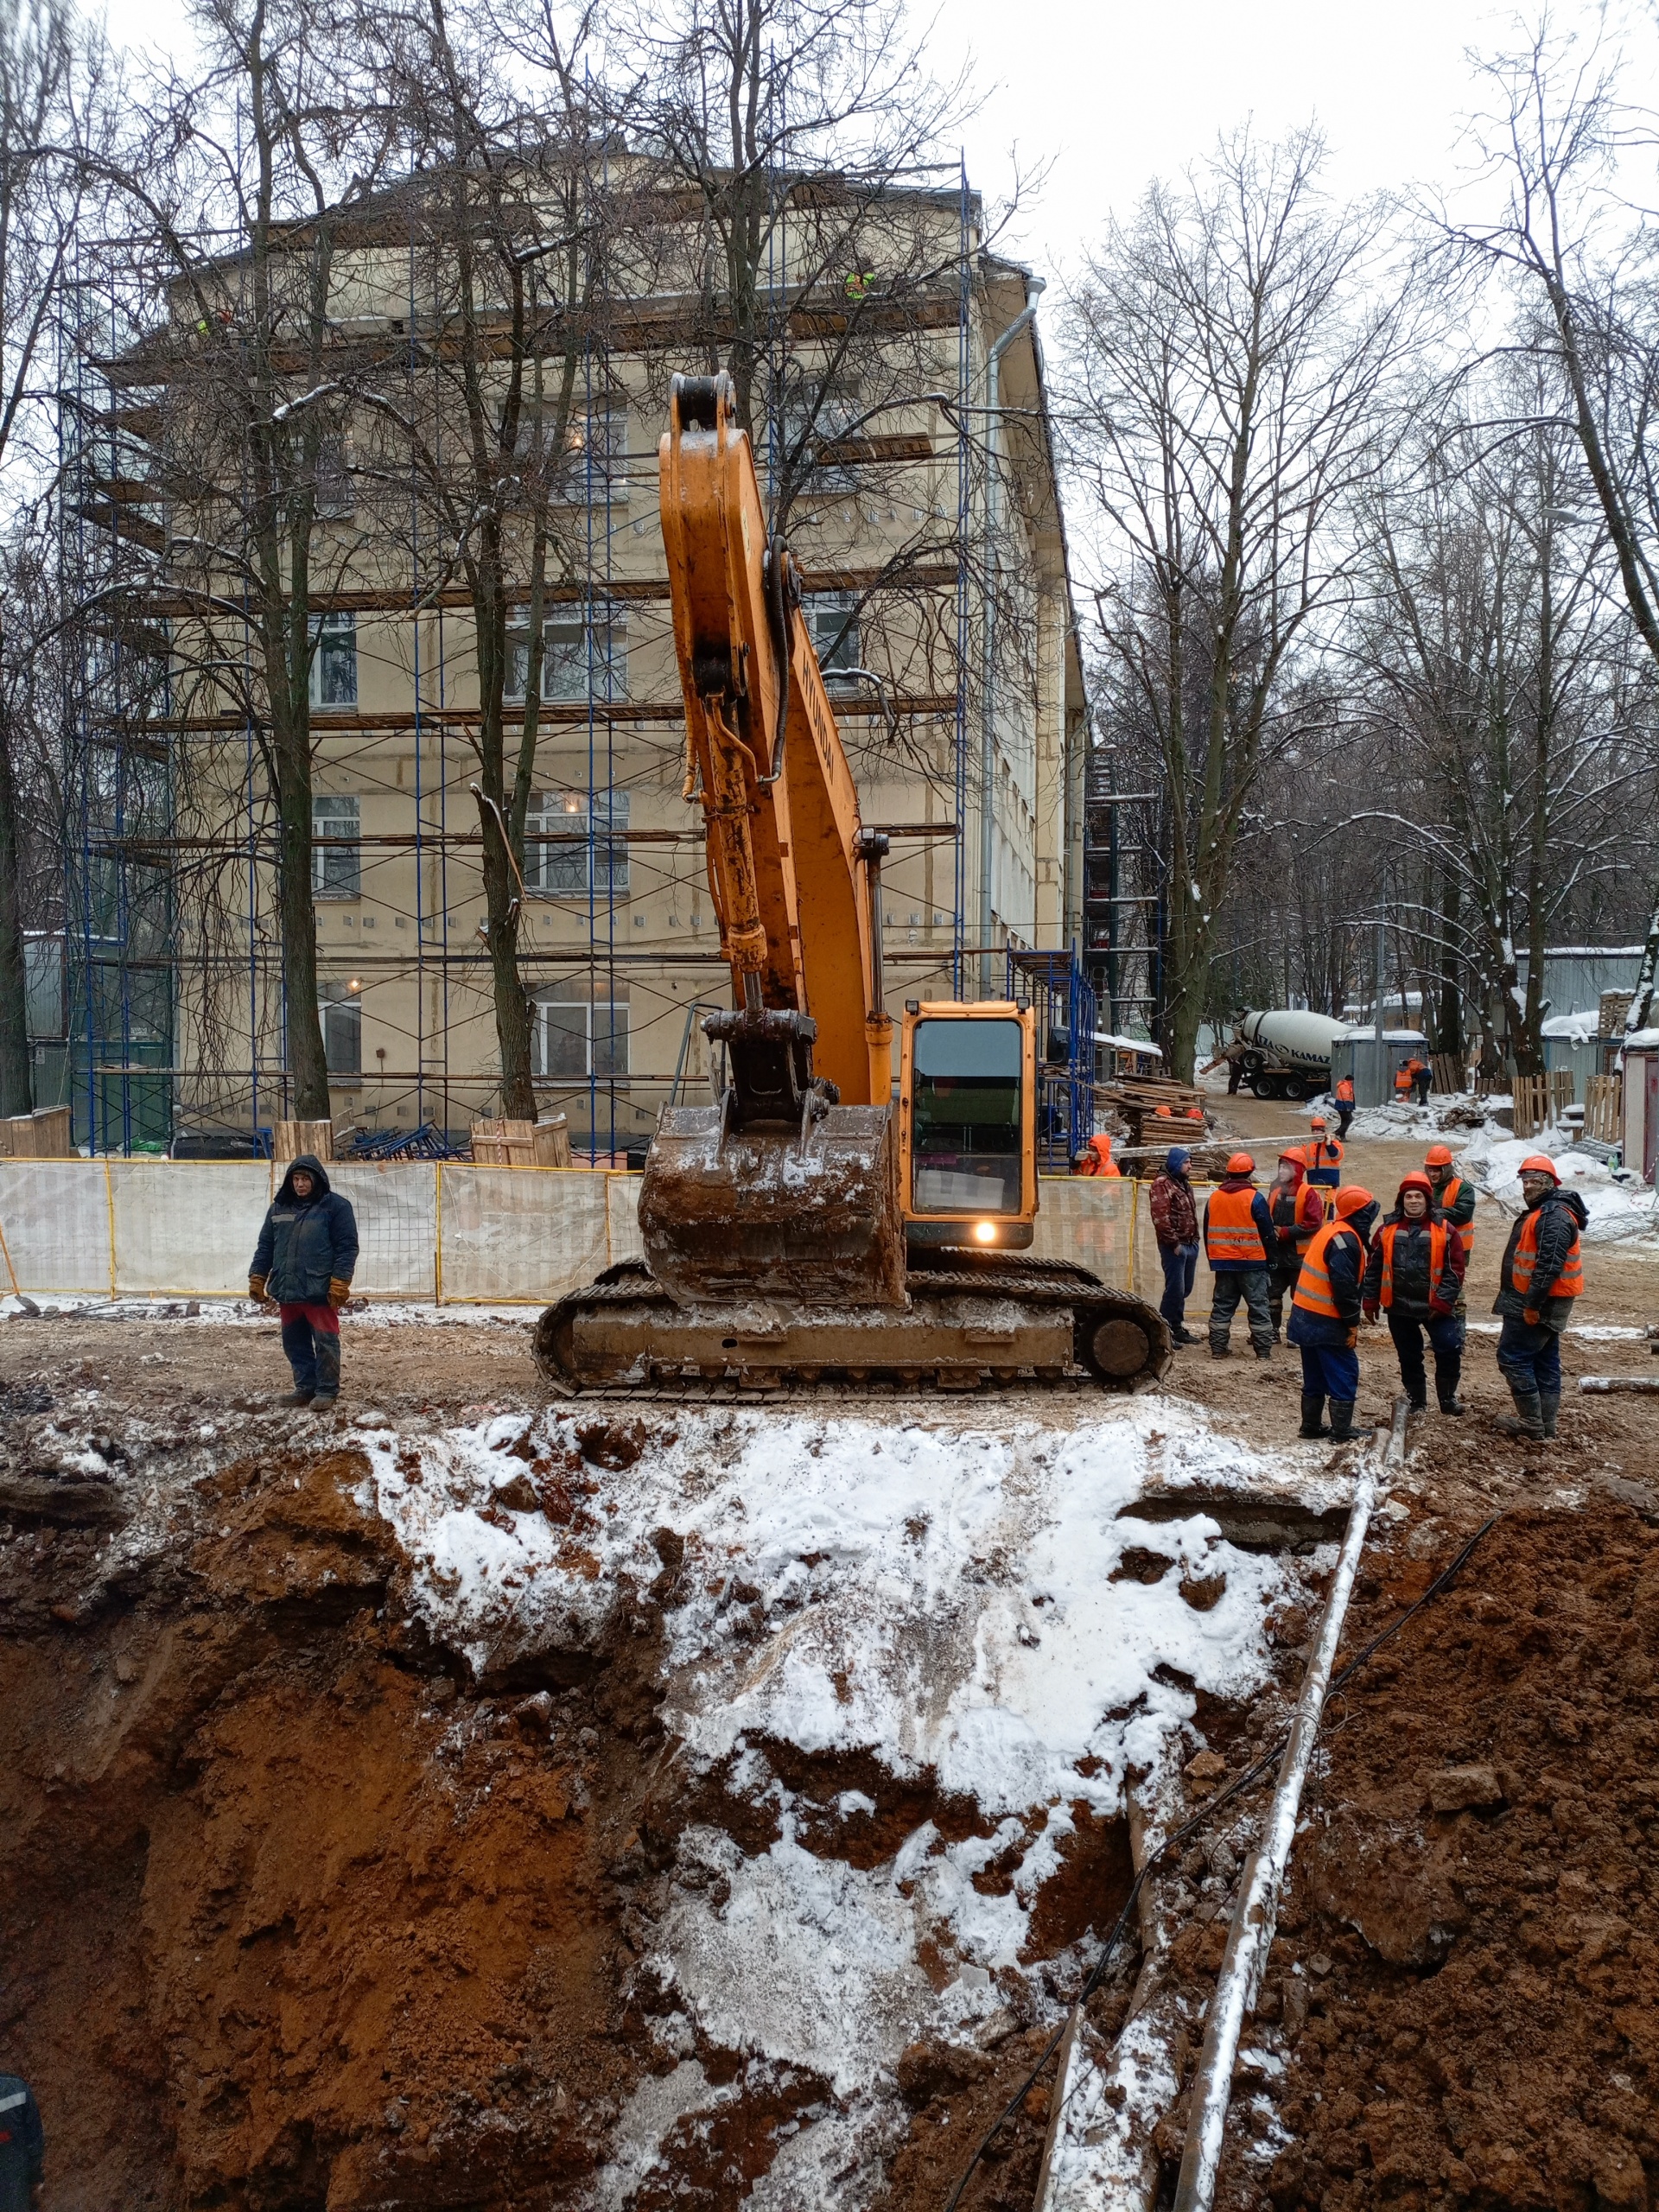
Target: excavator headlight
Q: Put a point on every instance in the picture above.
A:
(984, 1232)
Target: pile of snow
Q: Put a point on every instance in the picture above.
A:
(1620, 1206)
(937, 1599)
(1449, 1114)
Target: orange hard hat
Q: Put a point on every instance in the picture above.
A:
(1318, 1121)
(1438, 1155)
(1162, 1111)
(1241, 1164)
(1539, 1163)
(1416, 1180)
(1351, 1198)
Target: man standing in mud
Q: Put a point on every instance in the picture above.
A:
(304, 1259)
(22, 2145)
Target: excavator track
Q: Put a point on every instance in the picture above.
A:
(973, 1322)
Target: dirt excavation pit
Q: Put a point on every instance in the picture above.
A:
(497, 1806)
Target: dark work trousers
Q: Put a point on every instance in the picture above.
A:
(311, 1339)
(1329, 1371)
(1445, 1333)
(1232, 1284)
(1180, 1263)
(1530, 1359)
(1281, 1282)
(1422, 1081)
(1345, 1115)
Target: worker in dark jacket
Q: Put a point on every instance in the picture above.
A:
(1175, 1224)
(1324, 1311)
(23, 2144)
(1542, 1273)
(304, 1259)
(1238, 1235)
(1454, 1195)
(1414, 1275)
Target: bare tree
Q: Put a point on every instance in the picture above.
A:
(1230, 351)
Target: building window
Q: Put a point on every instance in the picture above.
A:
(333, 660)
(334, 495)
(336, 869)
(567, 852)
(832, 616)
(572, 650)
(596, 461)
(816, 423)
(574, 1038)
(341, 1012)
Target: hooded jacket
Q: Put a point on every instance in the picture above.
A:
(1173, 1209)
(1561, 1217)
(1415, 1297)
(306, 1243)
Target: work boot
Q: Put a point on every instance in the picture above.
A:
(1182, 1336)
(1263, 1351)
(1221, 1350)
(1549, 1404)
(1528, 1419)
(1452, 1405)
(1418, 1405)
(1341, 1422)
(1313, 1416)
(297, 1398)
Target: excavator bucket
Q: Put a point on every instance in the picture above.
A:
(806, 1219)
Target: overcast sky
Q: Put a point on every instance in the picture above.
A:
(1111, 92)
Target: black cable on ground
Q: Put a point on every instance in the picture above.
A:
(1190, 1827)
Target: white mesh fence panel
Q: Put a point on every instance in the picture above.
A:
(520, 1235)
(185, 1228)
(396, 1210)
(1089, 1219)
(54, 1222)
(622, 1203)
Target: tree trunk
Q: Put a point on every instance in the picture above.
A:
(297, 918)
(16, 1087)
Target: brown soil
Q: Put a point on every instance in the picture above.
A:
(1466, 1987)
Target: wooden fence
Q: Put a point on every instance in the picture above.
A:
(1539, 1100)
(1604, 1110)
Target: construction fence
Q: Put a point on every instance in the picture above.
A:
(430, 1231)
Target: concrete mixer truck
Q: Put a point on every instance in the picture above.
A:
(1284, 1054)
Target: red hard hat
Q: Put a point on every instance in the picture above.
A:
(1416, 1180)
(1438, 1155)
(1351, 1198)
(1241, 1164)
(1539, 1163)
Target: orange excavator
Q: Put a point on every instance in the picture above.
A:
(808, 1229)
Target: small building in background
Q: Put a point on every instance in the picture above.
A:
(1641, 1141)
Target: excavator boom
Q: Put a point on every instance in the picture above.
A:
(805, 1228)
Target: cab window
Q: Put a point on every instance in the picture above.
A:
(965, 1116)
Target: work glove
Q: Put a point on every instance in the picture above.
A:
(1352, 1337)
(256, 1289)
(1530, 1317)
(339, 1292)
(1371, 1310)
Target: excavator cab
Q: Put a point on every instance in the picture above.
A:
(967, 1147)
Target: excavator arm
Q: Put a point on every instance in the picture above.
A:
(794, 876)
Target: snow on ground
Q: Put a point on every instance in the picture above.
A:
(1448, 1115)
(933, 1597)
(373, 1313)
(1621, 1208)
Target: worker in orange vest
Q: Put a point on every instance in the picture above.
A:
(1097, 1158)
(1322, 1159)
(1454, 1195)
(1298, 1210)
(1542, 1273)
(1414, 1275)
(1238, 1235)
(1405, 1076)
(1324, 1311)
(1345, 1099)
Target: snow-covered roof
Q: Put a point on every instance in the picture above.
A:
(1581, 1027)
(1128, 1044)
(1643, 1040)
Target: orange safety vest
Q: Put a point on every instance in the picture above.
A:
(1570, 1281)
(1230, 1231)
(1346, 1091)
(1448, 1196)
(1313, 1284)
(1295, 1218)
(1104, 1164)
(1324, 1156)
(1439, 1236)
(1403, 1078)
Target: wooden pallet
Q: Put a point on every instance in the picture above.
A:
(43, 1134)
(505, 1142)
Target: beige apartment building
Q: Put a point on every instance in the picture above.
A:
(899, 526)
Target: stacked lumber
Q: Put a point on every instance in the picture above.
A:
(1137, 1099)
(505, 1142)
(43, 1134)
(1208, 1163)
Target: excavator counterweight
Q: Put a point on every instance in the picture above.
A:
(807, 1227)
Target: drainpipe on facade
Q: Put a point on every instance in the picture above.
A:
(988, 707)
